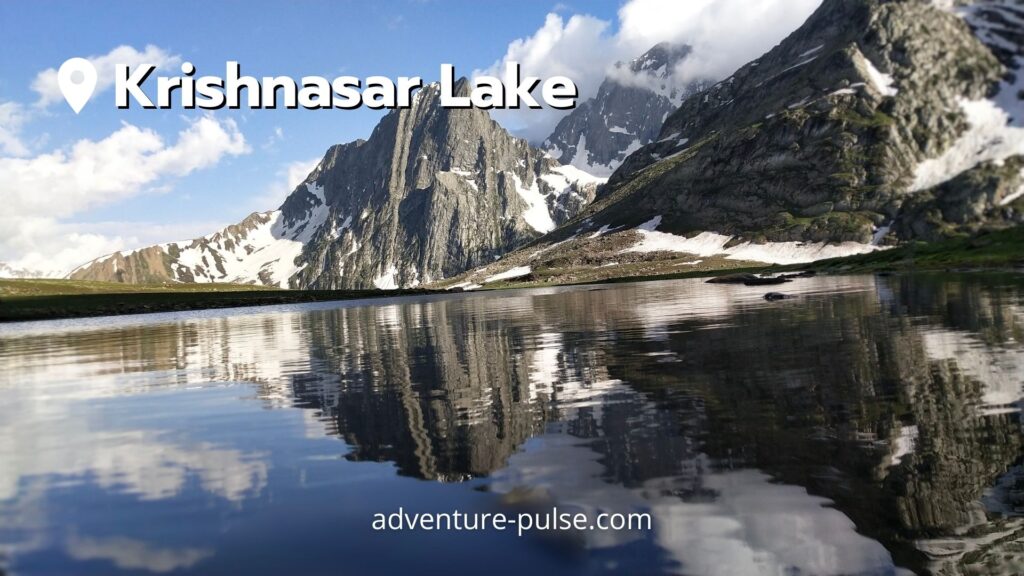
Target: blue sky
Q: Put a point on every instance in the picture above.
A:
(327, 38)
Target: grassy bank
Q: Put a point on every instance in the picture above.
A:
(48, 299)
(1001, 249)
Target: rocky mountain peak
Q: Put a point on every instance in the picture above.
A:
(660, 60)
(432, 192)
(627, 112)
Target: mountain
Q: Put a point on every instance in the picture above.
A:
(628, 111)
(867, 106)
(875, 122)
(8, 271)
(431, 193)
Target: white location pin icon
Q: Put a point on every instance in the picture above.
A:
(77, 80)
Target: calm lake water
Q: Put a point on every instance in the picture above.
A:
(869, 426)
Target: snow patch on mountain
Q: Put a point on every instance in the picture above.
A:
(565, 176)
(993, 32)
(708, 244)
(990, 137)
(387, 280)
(996, 125)
(536, 215)
(581, 160)
(517, 272)
(266, 252)
(1015, 195)
(541, 204)
(267, 249)
(882, 82)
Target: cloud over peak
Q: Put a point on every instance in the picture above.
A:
(724, 35)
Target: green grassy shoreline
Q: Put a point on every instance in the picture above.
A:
(52, 299)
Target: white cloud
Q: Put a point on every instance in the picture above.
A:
(64, 182)
(42, 246)
(12, 118)
(298, 171)
(724, 34)
(45, 83)
(576, 48)
(40, 192)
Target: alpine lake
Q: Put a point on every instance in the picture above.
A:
(867, 425)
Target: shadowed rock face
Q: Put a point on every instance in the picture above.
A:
(432, 192)
(627, 112)
(825, 136)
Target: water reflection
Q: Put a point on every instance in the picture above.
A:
(869, 426)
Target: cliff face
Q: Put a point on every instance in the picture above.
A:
(430, 194)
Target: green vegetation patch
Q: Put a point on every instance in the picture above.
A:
(49, 299)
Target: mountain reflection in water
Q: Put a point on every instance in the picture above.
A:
(869, 426)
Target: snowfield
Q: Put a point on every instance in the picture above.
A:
(517, 272)
(883, 83)
(387, 280)
(708, 244)
(996, 129)
(990, 137)
(538, 213)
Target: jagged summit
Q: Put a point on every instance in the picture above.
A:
(627, 112)
(431, 192)
(660, 61)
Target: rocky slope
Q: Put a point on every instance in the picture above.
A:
(826, 136)
(430, 194)
(627, 113)
(874, 122)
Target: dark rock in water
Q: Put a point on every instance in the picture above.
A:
(753, 279)
(759, 281)
(732, 279)
(804, 274)
(773, 296)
